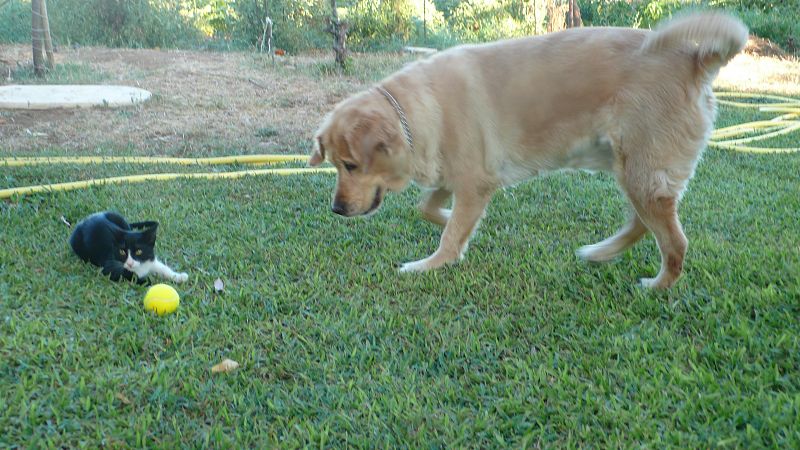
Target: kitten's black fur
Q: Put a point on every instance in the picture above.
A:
(105, 239)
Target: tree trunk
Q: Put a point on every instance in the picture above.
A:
(36, 37)
(339, 31)
(48, 41)
(574, 15)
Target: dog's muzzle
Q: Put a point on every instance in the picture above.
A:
(341, 208)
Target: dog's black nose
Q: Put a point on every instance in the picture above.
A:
(339, 208)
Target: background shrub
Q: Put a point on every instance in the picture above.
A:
(374, 24)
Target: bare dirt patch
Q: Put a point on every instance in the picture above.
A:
(203, 103)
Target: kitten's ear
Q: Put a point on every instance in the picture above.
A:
(118, 233)
(143, 225)
(149, 235)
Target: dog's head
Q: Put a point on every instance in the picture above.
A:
(365, 144)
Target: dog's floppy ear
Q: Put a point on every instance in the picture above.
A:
(318, 154)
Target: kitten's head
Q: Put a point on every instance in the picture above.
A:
(136, 247)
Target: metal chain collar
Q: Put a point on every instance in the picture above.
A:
(400, 113)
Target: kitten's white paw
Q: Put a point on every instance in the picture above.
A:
(180, 277)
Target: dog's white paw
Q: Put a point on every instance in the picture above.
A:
(434, 261)
(649, 283)
(595, 253)
(180, 277)
(416, 266)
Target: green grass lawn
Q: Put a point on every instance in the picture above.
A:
(520, 345)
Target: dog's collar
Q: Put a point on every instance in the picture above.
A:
(400, 113)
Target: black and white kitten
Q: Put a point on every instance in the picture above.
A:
(106, 240)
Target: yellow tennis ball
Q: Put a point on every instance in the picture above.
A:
(161, 299)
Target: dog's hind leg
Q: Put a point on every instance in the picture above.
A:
(431, 206)
(661, 217)
(468, 208)
(608, 249)
(658, 211)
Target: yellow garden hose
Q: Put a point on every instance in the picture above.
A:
(732, 138)
(752, 127)
(769, 134)
(7, 193)
(243, 159)
(788, 100)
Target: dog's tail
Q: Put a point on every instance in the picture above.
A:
(713, 38)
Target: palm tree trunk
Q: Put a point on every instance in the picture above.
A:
(48, 41)
(36, 37)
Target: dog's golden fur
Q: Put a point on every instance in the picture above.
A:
(633, 102)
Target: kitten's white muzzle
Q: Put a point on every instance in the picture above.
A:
(129, 263)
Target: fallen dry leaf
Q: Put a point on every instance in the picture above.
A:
(218, 285)
(66, 222)
(123, 398)
(227, 365)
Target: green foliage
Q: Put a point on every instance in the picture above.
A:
(391, 23)
(781, 26)
(133, 23)
(374, 24)
(645, 13)
(120, 23)
(771, 19)
(297, 24)
(216, 18)
(487, 20)
(15, 22)
(760, 5)
(654, 11)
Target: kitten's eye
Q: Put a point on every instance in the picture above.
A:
(122, 252)
(139, 252)
(349, 166)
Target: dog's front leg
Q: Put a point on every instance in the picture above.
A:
(468, 208)
(432, 206)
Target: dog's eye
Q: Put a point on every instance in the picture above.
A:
(349, 166)
(139, 252)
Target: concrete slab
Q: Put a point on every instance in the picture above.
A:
(49, 96)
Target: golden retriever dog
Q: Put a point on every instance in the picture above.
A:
(475, 118)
